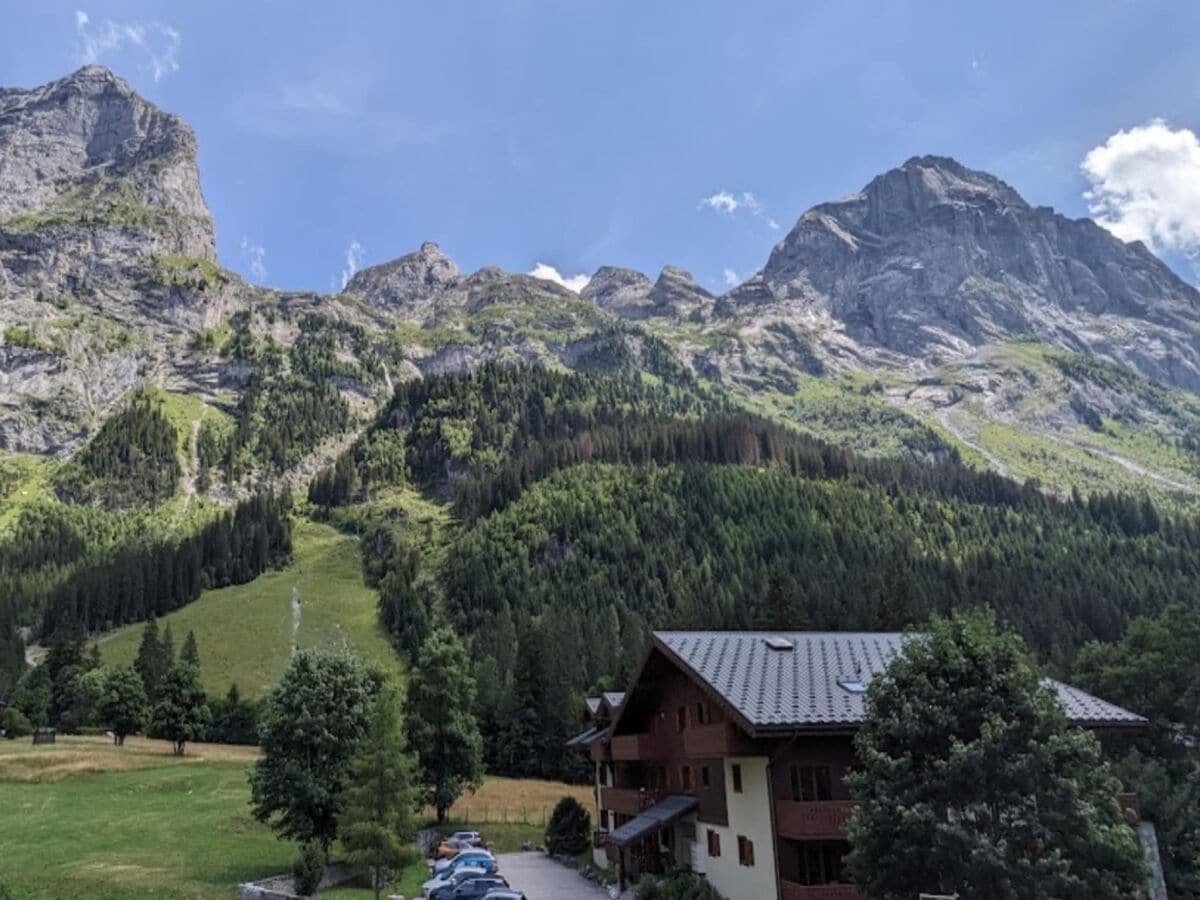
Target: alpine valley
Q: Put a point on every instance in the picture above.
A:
(930, 392)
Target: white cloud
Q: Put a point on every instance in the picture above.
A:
(731, 277)
(156, 45)
(721, 201)
(728, 203)
(547, 272)
(353, 258)
(313, 97)
(254, 255)
(1146, 187)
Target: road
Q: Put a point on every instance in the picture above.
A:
(541, 878)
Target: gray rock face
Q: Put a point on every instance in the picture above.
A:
(408, 283)
(932, 260)
(631, 294)
(89, 138)
(623, 292)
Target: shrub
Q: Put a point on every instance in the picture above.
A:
(570, 828)
(681, 885)
(15, 725)
(308, 868)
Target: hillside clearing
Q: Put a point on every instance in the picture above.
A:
(246, 632)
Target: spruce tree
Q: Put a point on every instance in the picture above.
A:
(376, 827)
(441, 726)
(190, 653)
(149, 661)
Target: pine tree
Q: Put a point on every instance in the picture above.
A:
(166, 652)
(441, 726)
(149, 662)
(376, 827)
(190, 654)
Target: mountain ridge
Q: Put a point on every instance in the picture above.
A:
(924, 286)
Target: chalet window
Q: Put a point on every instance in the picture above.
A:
(681, 715)
(702, 714)
(705, 779)
(737, 778)
(811, 783)
(820, 862)
(745, 851)
(714, 843)
(604, 820)
(687, 778)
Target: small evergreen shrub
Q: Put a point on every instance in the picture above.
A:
(682, 885)
(308, 868)
(16, 725)
(569, 831)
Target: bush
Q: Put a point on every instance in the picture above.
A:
(15, 724)
(308, 868)
(681, 885)
(569, 831)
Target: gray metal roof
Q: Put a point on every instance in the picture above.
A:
(614, 698)
(799, 686)
(593, 705)
(584, 738)
(664, 812)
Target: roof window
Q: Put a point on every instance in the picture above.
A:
(778, 643)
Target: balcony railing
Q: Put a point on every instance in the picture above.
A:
(629, 801)
(794, 891)
(640, 746)
(816, 820)
(715, 739)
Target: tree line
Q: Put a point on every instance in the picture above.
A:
(152, 577)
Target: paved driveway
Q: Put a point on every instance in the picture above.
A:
(541, 878)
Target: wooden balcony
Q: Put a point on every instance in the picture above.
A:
(820, 820)
(793, 891)
(714, 740)
(640, 746)
(629, 801)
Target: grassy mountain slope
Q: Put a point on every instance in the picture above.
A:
(246, 632)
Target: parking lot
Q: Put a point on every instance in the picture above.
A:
(541, 878)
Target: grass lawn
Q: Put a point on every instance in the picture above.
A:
(84, 819)
(245, 633)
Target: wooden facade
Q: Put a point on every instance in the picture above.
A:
(674, 735)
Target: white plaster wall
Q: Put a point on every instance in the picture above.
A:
(749, 816)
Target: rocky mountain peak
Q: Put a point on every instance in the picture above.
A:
(413, 279)
(614, 288)
(933, 259)
(89, 140)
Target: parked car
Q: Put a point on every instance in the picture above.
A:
(478, 861)
(442, 887)
(451, 847)
(507, 893)
(471, 853)
(473, 888)
(474, 838)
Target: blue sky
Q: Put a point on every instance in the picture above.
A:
(580, 133)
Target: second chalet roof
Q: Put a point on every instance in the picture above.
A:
(812, 679)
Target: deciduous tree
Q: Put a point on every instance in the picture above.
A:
(310, 728)
(971, 780)
(123, 706)
(181, 713)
